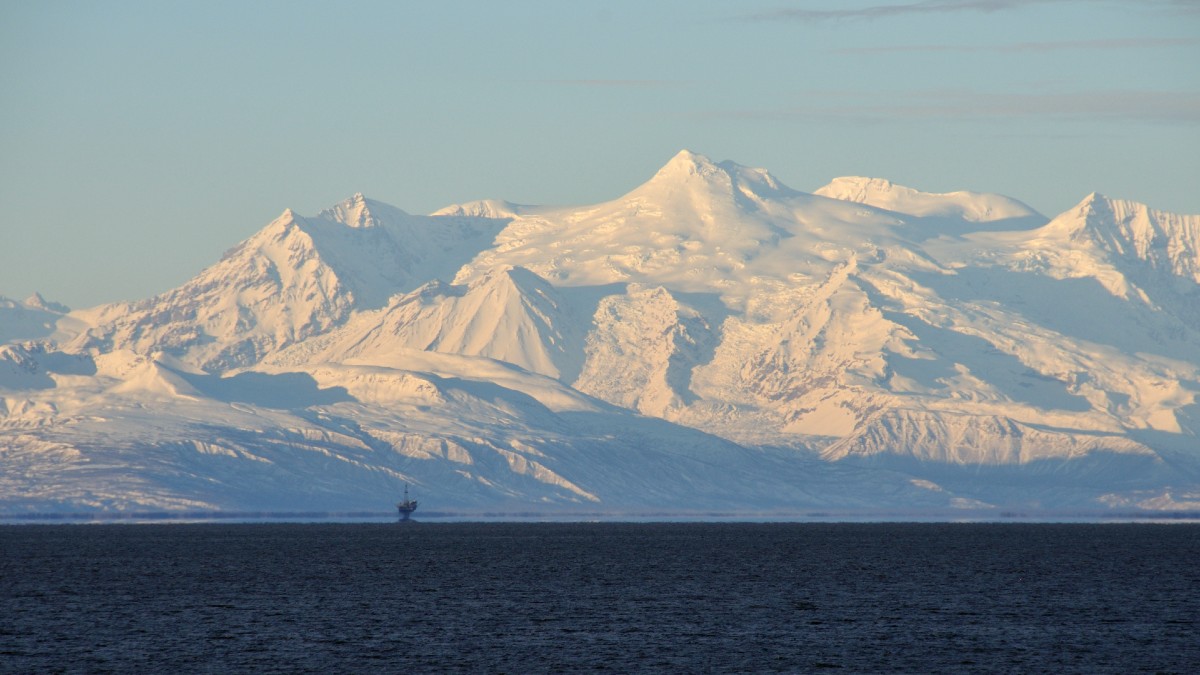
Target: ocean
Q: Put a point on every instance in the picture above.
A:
(427, 597)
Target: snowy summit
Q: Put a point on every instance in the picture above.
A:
(714, 340)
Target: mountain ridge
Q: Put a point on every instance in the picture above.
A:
(866, 345)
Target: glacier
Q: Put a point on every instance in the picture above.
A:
(712, 342)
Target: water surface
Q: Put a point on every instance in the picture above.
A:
(540, 597)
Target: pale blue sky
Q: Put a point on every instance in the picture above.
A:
(139, 140)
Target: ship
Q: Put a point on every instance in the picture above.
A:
(407, 506)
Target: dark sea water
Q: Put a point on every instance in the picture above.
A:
(527, 598)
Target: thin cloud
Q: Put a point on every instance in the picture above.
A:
(926, 7)
(887, 11)
(957, 105)
(647, 84)
(1030, 47)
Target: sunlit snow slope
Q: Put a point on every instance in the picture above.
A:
(713, 341)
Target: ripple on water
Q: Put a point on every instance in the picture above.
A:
(621, 597)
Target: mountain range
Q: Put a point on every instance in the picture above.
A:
(711, 342)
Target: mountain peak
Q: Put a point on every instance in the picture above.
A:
(694, 173)
(1097, 210)
(685, 164)
(1128, 229)
(36, 301)
(849, 188)
(1094, 200)
(357, 212)
(494, 209)
(882, 193)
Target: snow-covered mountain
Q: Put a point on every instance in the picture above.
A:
(34, 317)
(712, 340)
(971, 207)
(296, 278)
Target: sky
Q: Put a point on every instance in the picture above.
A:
(140, 140)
